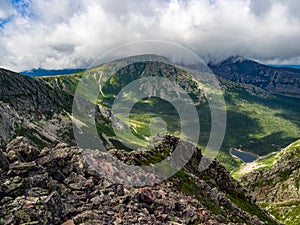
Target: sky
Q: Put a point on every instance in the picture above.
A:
(55, 34)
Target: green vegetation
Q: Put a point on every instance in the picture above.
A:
(229, 162)
(268, 124)
(33, 135)
(64, 83)
(277, 173)
(287, 212)
(248, 207)
(188, 185)
(267, 162)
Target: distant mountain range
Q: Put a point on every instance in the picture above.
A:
(284, 79)
(258, 120)
(287, 66)
(277, 80)
(43, 72)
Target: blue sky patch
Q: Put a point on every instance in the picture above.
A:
(4, 21)
(22, 7)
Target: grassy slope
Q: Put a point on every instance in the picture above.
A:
(269, 123)
(287, 211)
(265, 162)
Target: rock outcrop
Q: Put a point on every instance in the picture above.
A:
(57, 186)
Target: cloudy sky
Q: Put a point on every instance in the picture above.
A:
(55, 34)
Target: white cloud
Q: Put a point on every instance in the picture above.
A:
(60, 34)
(6, 9)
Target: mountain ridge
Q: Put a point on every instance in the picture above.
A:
(45, 72)
(246, 71)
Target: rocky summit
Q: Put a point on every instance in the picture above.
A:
(57, 186)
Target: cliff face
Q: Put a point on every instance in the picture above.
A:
(27, 108)
(57, 185)
(276, 183)
(245, 71)
(31, 98)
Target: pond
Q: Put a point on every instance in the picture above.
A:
(245, 156)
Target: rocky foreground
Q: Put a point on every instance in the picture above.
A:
(57, 186)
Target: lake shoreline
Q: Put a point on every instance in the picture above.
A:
(246, 157)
